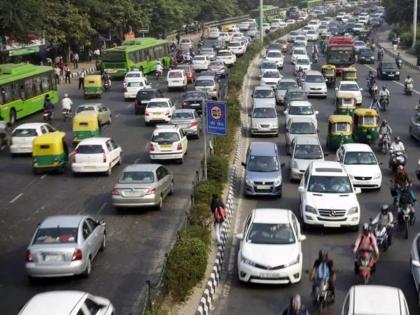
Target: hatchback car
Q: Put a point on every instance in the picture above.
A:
(228, 57)
(96, 155)
(104, 113)
(349, 89)
(281, 88)
(23, 136)
(133, 85)
(358, 44)
(209, 85)
(388, 70)
(298, 126)
(177, 79)
(68, 303)
(270, 249)
(158, 110)
(314, 84)
(264, 120)
(263, 95)
(361, 164)
(312, 35)
(292, 35)
(213, 33)
(142, 185)
(263, 170)
(65, 245)
(365, 55)
(271, 77)
(305, 150)
(275, 56)
(143, 97)
(194, 100)
(188, 120)
(300, 109)
(218, 67)
(169, 142)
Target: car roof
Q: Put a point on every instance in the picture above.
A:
(184, 110)
(141, 167)
(357, 147)
(307, 139)
(263, 148)
(301, 119)
(94, 140)
(295, 89)
(348, 82)
(288, 80)
(57, 303)
(327, 168)
(31, 125)
(90, 104)
(300, 103)
(160, 99)
(271, 215)
(205, 77)
(62, 221)
(263, 87)
(377, 299)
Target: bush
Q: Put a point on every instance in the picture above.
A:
(157, 310)
(217, 168)
(204, 191)
(186, 266)
(406, 39)
(201, 215)
(198, 231)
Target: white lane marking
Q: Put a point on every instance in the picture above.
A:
(129, 105)
(102, 208)
(16, 198)
(137, 160)
(117, 115)
(43, 176)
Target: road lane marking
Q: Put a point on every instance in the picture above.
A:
(129, 105)
(137, 161)
(117, 115)
(16, 198)
(102, 207)
(43, 176)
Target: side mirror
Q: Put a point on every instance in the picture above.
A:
(301, 189)
(302, 237)
(361, 89)
(239, 236)
(415, 263)
(243, 164)
(357, 190)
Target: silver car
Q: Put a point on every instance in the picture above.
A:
(414, 127)
(298, 126)
(314, 84)
(282, 87)
(218, 67)
(207, 84)
(263, 95)
(143, 185)
(104, 113)
(305, 149)
(188, 120)
(65, 246)
(264, 120)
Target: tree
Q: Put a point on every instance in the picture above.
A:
(399, 11)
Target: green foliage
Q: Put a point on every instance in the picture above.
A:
(217, 168)
(197, 231)
(204, 191)
(406, 39)
(186, 266)
(398, 11)
(157, 310)
(200, 214)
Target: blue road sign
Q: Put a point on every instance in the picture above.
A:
(216, 118)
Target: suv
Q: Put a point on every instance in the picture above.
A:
(263, 170)
(327, 196)
(264, 120)
(169, 142)
(143, 97)
(388, 70)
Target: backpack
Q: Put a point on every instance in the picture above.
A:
(220, 215)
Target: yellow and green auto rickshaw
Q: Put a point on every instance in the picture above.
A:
(345, 105)
(93, 86)
(349, 74)
(328, 71)
(340, 128)
(366, 123)
(85, 125)
(49, 153)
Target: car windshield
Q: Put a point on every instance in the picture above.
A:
(165, 137)
(133, 75)
(367, 120)
(349, 87)
(224, 53)
(157, 105)
(271, 74)
(264, 112)
(56, 235)
(199, 58)
(268, 65)
(207, 50)
(329, 184)
(363, 158)
(24, 132)
(137, 177)
(194, 95)
(388, 66)
(84, 108)
(146, 94)
(263, 164)
(175, 74)
(274, 54)
(263, 93)
(301, 110)
(285, 85)
(365, 52)
(89, 149)
(204, 83)
(307, 152)
(216, 64)
(302, 128)
(275, 234)
(314, 79)
(296, 95)
(235, 44)
(183, 115)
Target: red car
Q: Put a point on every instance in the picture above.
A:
(189, 71)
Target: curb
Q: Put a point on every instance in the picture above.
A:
(209, 293)
(391, 53)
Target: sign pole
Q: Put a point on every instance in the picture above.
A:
(204, 115)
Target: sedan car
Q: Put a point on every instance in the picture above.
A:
(303, 63)
(68, 303)
(194, 100)
(228, 57)
(143, 97)
(133, 85)
(294, 94)
(298, 53)
(304, 150)
(188, 120)
(142, 185)
(271, 77)
(264, 120)
(270, 249)
(298, 126)
(275, 56)
(104, 113)
(23, 136)
(314, 84)
(388, 70)
(365, 55)
(267, 65)
(292, 35)
(65, 245)
(358, 44)
(218, 67)
(414, 128)
(158, 110)
(209, 52)
(281, 88)
(300, 109)
(200, 62)
(349, 89)
(263, 95)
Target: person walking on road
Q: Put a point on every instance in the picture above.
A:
(67, 74)
(76, 60)
(82, 75)
(219, 213)
(57, 73)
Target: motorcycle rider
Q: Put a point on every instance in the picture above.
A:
(48, 106)
(385, 218)
(408, 81)
(323, 268)
(296, 307)
(397, 145)
(159, 69)
(106, 79)
(400, 182)
(370, 79)
(66, 103)
(385, 130)
(381, 52)
(398, 59)
(384, 92)
(300, 74)
(366, 241)
(376, 105)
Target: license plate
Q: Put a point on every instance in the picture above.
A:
(53, 258)
(195, 105)
(184, 126)
(269, 275)
(133, 194)
(166, 147)
(90, 167)
(157, 113)
(390, 75)
(263, 187)
(332, 225)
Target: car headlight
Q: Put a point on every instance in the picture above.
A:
(294, 262)
(247, 261)
(277, 181)
(397, 73)
(249, 181)
(310, 209)
(377, 176)
(353, 210)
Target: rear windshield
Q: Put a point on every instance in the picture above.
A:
(314, 79)
(300, 110)
(135, 84)
(224, 53)
(24, 133)
(302, 128)
(137, 177)
(175, 74)
(264, 112)
(271, 74)
(84, 108)
(165, 137)
(157, 105)
(235, 44)
(56, 235)
(200, 58)
(264, 94)
(134, 75)
(274, 54)
(204, 83)
(183, 115)
(285, 85)
(146, 94)
(302, 61)
(89, 149)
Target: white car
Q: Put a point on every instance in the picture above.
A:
(95, 155)
(358, 27)
(177, 79)
(133, 85)
(271, 77)
(23, 136)
(304, 150)
(270, 249)
(314, 84)
(228, 57)
(237, 47)
(300, 39)
(312, 35)
(275, 56)
(349, 89)
(292, 35)
(158, 110)
(306, 29)
(358, 44)
(300, 109)
(303, 63)
(327, 196)
(298, 53)
(415, 264)
(224, 36)
(374, 300)
(169, 142)
(361, 164)
(132, 75)
(213, 33)
(314, 24)
(67, 302)
(298, 126)
(186, 44)
(200, 62)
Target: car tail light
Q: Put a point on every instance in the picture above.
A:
(151, 147)
(215, 88)
(103, 156)
(151, 191)
(115, 192)
(136, 102)
(194, 123)
(184, 104)
(146, 113)
(28, 256)
(125, 89)
(77, 255)
(179, 146)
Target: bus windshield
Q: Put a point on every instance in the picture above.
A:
(340, 57)
(113, 56)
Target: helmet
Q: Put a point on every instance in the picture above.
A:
(365, 228)
(322, 255)
(384, 209)
(66, 95)
(296, 303)
(384, 87)
(397, 139)
(384, 122)
(400, 168)
(408, 76)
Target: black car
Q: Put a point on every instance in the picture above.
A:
(194, 100)
(143, 97)
(388, 70)
(366, 55)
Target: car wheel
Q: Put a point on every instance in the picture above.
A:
(88, 269)
(171, 189)
(103, 245)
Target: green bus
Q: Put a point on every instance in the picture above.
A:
(141, 53)
(269, 11)
(23, 88)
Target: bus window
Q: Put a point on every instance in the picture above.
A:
(150, 54)
(37, 85)
(142, 55)
(45, 83)
(28, 91)
(52, 80)
(14, 90)
(2, 96)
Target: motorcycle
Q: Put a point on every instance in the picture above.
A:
(399, 62)
(48, 116)
(396, 159)
(408, 88)
(322, 295)
(67, 114)
(365, 263)
(382, 237)
(107, 84)
(384, 101)
(384, 143)
(406, 215)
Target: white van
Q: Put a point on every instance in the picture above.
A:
(177, 79)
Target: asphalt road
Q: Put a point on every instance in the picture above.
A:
(137, 239)
(393, 266)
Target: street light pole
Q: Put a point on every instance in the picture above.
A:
(414, 23)
(262, 20)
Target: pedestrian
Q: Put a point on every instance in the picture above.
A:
(96, 53)
(219, 214)
(67, 74)
(395, 43)
(90, 54)
(178, 37)
(57, 73)
(76, 60)
(82, 75)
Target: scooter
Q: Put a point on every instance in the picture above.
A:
(408, 88)
(322, 295)
(396, 159)
(48, 116)
(107, 84)
(384, 101)
(406, 213)
(384, 143)
(382, 237)
(365, 264)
